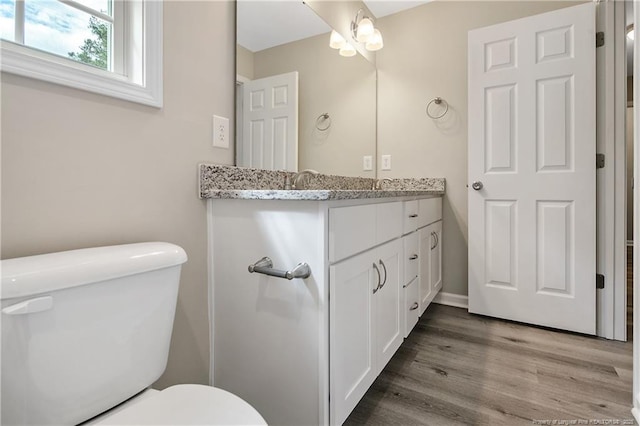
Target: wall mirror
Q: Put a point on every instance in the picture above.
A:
(300, 104)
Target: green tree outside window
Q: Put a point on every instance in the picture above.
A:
(94, 51)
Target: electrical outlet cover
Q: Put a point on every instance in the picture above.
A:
(386, 162)
(220, 132)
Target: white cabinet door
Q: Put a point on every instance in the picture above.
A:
(352, 332)
(430, 256)
(426, 242)
(365, 322)
(388, 302)
(436, 258)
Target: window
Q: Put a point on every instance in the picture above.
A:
(112, 47)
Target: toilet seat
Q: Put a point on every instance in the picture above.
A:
(188, 405)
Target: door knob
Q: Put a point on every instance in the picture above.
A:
(477, 185)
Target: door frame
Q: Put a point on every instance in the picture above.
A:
(240, 81)
(636, 222)
(611, 182)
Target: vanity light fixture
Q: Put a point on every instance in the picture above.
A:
(630, 32)
(375, 41)
(336, 41)
(363, 31)
(347, 50)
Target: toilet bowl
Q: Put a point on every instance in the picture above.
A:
(86, 332)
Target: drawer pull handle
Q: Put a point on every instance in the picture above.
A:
(375, 290)
(385, 272)
(413, 257)
(414, 306)
(413, 215)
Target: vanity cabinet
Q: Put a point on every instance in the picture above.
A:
(304, 351)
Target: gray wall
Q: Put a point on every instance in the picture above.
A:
(82, 170)
(424, 56)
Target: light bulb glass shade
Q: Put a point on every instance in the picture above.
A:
(347, 50)
(336, 41)
(631, 35)
(365, 30)
(375, 41)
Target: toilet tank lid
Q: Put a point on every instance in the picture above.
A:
(32, 275)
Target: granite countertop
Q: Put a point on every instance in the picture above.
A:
(315, 194)
(220, 181)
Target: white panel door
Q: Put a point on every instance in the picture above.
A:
(532, 146)
(270, 123)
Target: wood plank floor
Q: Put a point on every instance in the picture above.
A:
(461, 369)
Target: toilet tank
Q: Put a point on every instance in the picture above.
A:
(84, 330)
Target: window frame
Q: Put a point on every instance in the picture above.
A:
(141, 81)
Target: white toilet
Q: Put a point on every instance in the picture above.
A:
(83, 331)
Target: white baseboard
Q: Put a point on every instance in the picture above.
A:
(451, 299)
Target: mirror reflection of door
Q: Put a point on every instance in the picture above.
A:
(269, 123)
(275, 38)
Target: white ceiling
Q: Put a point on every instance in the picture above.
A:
(267, 23)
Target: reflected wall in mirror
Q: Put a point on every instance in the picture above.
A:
(283, 53)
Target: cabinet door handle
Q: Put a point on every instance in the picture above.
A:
(385, 272)
(413, 215)
(375, 290)
(437, 238)
(433, 240)
(414, 306)
(413, 257)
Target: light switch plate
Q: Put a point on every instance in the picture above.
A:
(386, 162)
(220, 132)
(367, 163)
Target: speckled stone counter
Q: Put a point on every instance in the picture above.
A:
(218, 181)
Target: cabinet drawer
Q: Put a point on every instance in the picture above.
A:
(411, 310)
(354, 229)
(351, 230)
(388, 221)
(430, 210)
(410, 219)
(411, 260)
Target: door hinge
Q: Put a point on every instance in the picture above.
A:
(599, 161)
(599, 281)
(600, 39)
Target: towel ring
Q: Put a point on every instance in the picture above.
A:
(323, 118)
(437, 101)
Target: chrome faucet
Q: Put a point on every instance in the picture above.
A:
(301, 179)
(377, 184)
